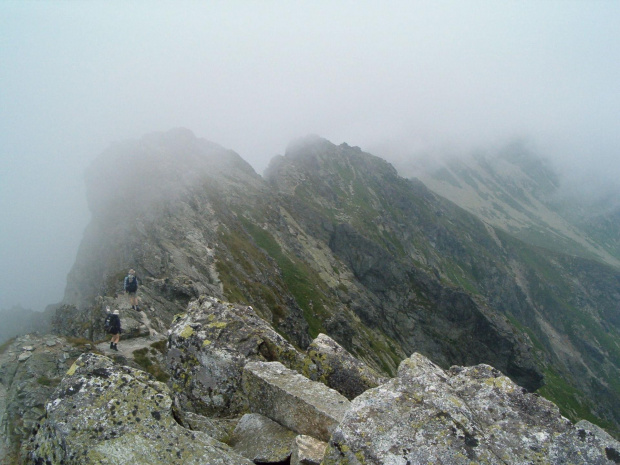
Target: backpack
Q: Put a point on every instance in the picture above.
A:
(107, 323)
(132, 284)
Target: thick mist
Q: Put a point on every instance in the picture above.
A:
(430, 77)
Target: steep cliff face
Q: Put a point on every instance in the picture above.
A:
(440, 280)
(333, 241)
(163, 206)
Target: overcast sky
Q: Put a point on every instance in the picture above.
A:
(426, 75)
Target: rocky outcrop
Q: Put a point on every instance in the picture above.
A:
(31, 367)
(461, 416)
(304, 406)
(209, 346)
(102, 413)
(339, 370)
(262, 440)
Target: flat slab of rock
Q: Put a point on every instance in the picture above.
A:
(285, 396)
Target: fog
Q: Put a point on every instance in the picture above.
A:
(424, 76)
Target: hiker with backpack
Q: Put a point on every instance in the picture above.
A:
(112, 325)
(131, 288)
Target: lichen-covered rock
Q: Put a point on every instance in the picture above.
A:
(304, 406)
(210, 344)
(262, 440)
(307, 450)
(30, 369)
(102, 413)
(218, 428)
(340, 370)
(460, 416)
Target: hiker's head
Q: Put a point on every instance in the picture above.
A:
(116, 311)
(132, 272)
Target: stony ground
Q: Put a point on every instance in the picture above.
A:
(126, 347)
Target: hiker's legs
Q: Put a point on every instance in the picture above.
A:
(114, 341)
(133, 300)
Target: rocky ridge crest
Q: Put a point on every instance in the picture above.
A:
(104, 412)
(332, 241)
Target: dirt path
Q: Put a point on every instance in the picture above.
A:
(127, 347)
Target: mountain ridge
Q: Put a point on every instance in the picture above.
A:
(333, 241)
(519, 191)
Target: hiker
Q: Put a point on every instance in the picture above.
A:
(115, 330)
(131, 288)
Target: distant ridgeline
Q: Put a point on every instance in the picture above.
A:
(333, 241)
(17, 321)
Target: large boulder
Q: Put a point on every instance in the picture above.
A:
(102, 413)
(461, 416)
(209, 346)
(304, 406)
(340, 370)
(30, 369)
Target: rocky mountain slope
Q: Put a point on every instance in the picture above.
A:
(333, 240)
(104, 412)
(522, 193)
(330, 249)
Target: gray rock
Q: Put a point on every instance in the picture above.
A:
(26, 381)
(340, 370)
(106, 414)
(262, 440)
(307, 451)
(304, 406)
(210, 344)
(460, 416)
(218, 428)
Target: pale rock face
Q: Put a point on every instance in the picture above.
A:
(107, 414)
(307, 451)
(209, 346)
(460, 416)
(339, 370)
(304, 406)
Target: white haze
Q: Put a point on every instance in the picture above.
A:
(426, 76)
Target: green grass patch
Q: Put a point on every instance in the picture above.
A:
(301, 281)
(573, 403)
(142, 358)
(161, 346)
(49, 382)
